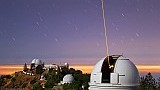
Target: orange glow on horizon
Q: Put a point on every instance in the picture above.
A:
(149, 68)
(141, 68)
(9, 69)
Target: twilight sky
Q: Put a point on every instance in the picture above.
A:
(59, 31)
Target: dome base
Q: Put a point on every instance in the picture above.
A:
(107, 86)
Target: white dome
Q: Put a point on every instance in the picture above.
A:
(125, 67)
(68, 78)
(66, 65)
(98, 66)
(118, 73)
(37, 61)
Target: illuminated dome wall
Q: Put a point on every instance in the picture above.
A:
(68, 79)
(36, 61)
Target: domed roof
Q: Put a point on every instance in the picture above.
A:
(66, 64)
(98, 66)
(37, 61)
(68, 78)
(117, 70)
(125, 67)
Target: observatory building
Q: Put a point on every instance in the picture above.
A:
(114, 73)
(35, 63)
(67, 79)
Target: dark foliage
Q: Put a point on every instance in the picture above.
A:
(33, 81)
(3, 77)
(39, 69)
(37, 86)
(148, 82)
(80, 80)
(25, 67)
(51, 79)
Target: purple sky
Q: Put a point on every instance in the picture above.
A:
(59, 31)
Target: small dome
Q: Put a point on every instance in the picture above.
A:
(36, 61)
(66, 65)
(68, 78)
(114, 71)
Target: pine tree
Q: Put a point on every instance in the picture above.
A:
(25, 67)
(148, 82)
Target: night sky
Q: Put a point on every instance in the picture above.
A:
(58, 31)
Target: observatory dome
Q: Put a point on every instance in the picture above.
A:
(66, 65)
(36, 61)
(114, 73)
(68, 78)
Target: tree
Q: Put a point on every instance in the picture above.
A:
(1, 80)
(148, 82)
(158, 83)
(13, 79)
(72, 71)
(39, 69)
(33, 81)
(79, 80)
(32, 66)
(25, 67)
(37, 86)
(64, 71)
(51, 78)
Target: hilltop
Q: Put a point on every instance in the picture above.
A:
(40, 78)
